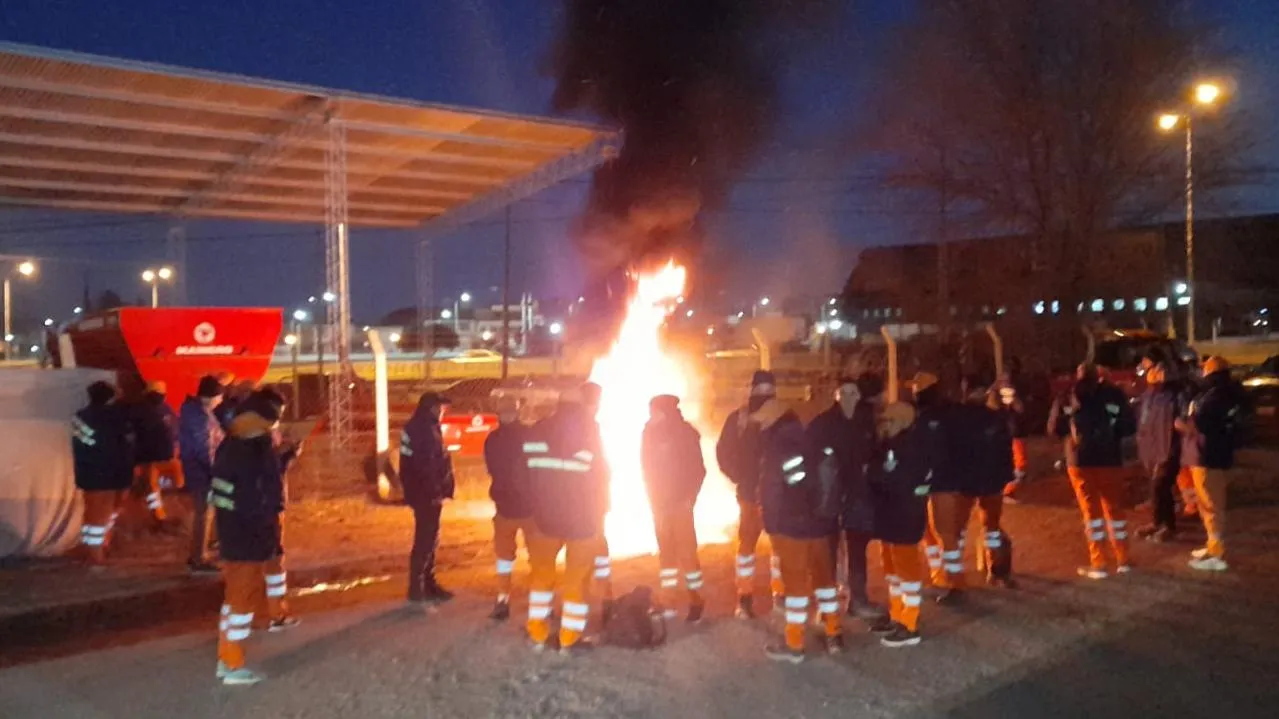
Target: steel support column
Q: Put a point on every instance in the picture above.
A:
(337, 277)
(425, 303)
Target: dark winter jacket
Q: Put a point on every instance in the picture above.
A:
(671, 457)
(102, 448)
(504, 459)
(568, 474)
(199, 435)
(1212, 423)
(1157, 441)
(156, 428)
(248, 491)
(849, 443)
(789, 485)
(738, 453)
(899, 475)
(426, 471)
(1093, 421)
(980, 446)
(938, 419)
(1007, 399)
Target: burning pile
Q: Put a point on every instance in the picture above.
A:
(635, 369)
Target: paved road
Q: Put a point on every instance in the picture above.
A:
(1163, 642)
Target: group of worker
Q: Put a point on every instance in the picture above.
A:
(230, 458)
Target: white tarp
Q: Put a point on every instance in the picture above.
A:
(39, 506)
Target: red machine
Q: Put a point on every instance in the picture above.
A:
(177, 346)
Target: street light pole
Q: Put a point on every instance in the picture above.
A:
(155, 294)
(8, 314)
(1190, 230)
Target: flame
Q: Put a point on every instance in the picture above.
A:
(635, 369)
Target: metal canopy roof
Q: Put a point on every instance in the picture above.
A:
(91, 133)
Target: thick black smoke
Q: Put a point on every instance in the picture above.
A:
(693, 85)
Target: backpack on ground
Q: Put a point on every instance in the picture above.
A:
(633, 622)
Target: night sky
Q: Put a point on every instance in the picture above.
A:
(796, 221)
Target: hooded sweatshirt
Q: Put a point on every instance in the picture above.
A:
(248, 490)
(426, 471)
(199, 435)
(671, 454)
(789, 486)
(1212, 423)
(157, 429)
(849, 442)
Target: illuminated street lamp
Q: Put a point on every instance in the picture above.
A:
(446, 314)
(290, 339)
(462, 299)
(153, 277)
(301, 315)
(328, 296)
(22, 269)
(1205, 94)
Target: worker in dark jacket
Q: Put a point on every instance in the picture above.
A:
(790, 495)
(157, 440)
(671, 456)
(845, 436)
(426, 472)
(738, 453)
(1159, 449)
(248, 495)
(102, 451)
(1209, 433)
(899, 474)
(1093, 422)
(568, 484)
(985, 457)
(504, 460)
(948, 508)
(199, 435)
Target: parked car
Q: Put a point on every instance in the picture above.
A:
(1262, 384)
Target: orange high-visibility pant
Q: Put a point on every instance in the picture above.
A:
(506, 531)
(579, 559)
(152, 472)
(948, 514)
(1189, 496)
(677, 554)
(904, 574)
(1210, 484)
(603, 575)
(749, 529)
(1019, 457)
(806, 572)
(245, 583)
(101, 507)
(1101, 494)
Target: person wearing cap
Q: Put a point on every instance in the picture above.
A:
(426, 472)
(737, 453)
(948, 507)
(1093, 421)
(1209, 434)
(157, 439)
(899, 474)
(568, 485)
(102, 454)
(247, 492)
(602, 578)
(199, 435)
(1159, 448)
(845, 435)
(671, 457)
(504, 460)
(790, 493)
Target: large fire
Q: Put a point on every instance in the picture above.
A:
(636, 369)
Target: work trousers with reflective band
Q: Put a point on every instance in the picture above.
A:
(101, 508)
(1101, 493)
(505, 545)
(277, 587)
(1019, 458)
(603, 575)
(750, 527)
(948, 514)
(677, 554)
(904, 574)
(579, 562)
(154, 473)
(245, 583)
(806, 572)
(1189, 495)
(1210, 486)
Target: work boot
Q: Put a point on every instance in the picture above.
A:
(695, 611)
(433, 593)
(501, 611)
(780, 652)
(745, 607)
(284, 623)
(900, 637)
(835, 644)
(1209, 564)
(241, 677)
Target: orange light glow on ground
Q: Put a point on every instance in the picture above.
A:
(636, 369)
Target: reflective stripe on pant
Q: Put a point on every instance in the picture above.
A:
(991, 508)
(603, 576)
(677, 553)
(1100, 491)
(948, 514)
(277, 587)
(100, 507)
(505, 546)
(245, 584)
(806, 570)
(152, 472)
(749, 528)
(579, 561)
(904, 573)
(1210, 486)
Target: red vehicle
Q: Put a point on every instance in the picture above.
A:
(176, 346)
(1120, 352)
